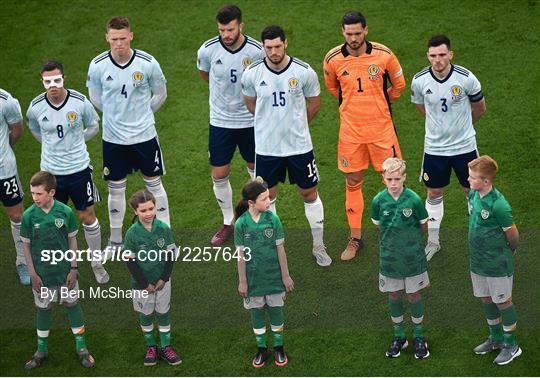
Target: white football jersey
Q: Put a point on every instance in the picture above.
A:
(63, 149)
(449, 127)
(10, 113)
(225, 69)
(126, 96)
(281, 124)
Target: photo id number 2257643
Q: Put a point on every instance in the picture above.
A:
(206, 254)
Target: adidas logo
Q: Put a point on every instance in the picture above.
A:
(156, 169)
(114, 211)
(429, 91)
(90, 199)
(45, 119)
(161, 209)
(262, 84)
(15, 195)
(219, 61)
(350, 211)
(432, 220)
(320, 222)
(345, 73)
(109, 78)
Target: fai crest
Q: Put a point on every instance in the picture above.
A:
(484, 214)
(344, 161)
(160, 242)
(407, 212)
(269, 232)
(58, 222)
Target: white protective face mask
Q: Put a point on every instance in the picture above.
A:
(53, 81)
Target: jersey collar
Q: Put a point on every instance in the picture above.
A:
(345, 52)
(283, 70)
(61, 105)
(447, 76)
(125, 65)
(233, 51)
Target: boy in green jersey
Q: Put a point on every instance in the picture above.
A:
(49, 226)
(151, 246)
(493, 239)
(262, 268)
(401, 217)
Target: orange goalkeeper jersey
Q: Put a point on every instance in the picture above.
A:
(365, 86)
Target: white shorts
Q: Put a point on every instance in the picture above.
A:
(146, 303)
(61, 294)
(271, 300)
(409, 284)
(498, 288)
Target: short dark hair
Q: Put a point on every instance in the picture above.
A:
(118, 23)
(45, 179)
(439, 40)
(273, 32)
(52, 65)
(229, 13)
(353, 17)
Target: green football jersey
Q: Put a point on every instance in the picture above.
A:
(49, 232)
(146, 246)
(489, 253)
(401, 247)
(262, 270)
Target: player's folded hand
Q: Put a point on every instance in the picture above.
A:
(150, 288)
(159, 285)
(71, 279)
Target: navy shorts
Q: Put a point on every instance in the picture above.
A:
(436, 170)
(222, 143)
(121, 160)
(79, 187)
(11, 192)
(302, 169)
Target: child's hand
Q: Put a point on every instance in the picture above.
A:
(289, 284)
(243, 289)
(71, 279)
(159, 285)
(150, 288)
(37, 283)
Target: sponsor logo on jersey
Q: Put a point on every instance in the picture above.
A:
(293, 83)
(45, 119)
(219, 61)
(246, 62)
(262, 84)
(58, 222)
(373, 71)
(109, 78)
(407, 212)
(72, 118)
(429, 91)
(386, 213)
(344, 161)
(269, 232)
(345, 73)
(138, 77)
(160, 242)
(484, 214)
(36, 225)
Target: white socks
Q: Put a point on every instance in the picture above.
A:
(315, 215)
(251, 173)
(155, 187)
(16, 233)
(117, 208)
(224, 194)
(435, 209)
(92, 234)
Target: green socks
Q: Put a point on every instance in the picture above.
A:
(494, 322)
(259, 326)
(417, 316)
(164, 323)
(147, 326)
(44, 319)
(509, 319)
(277, 320)
(76, 320)
(396, 313)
